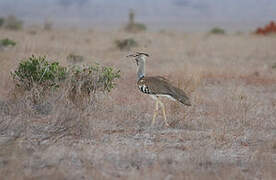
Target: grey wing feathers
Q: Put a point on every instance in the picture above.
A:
(180, 95)
(159, 85)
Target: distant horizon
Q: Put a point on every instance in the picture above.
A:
(187, 15)
(153, 26)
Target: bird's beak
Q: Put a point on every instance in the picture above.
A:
(132, 55)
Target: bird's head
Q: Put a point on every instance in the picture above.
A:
(139, 57)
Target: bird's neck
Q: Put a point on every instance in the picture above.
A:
(141, 70)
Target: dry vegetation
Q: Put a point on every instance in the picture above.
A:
(228, 133)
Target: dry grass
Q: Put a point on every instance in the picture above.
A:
(228, 133)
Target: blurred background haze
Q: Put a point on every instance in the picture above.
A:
(172, 14)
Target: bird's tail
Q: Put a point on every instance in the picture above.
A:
(180, 96)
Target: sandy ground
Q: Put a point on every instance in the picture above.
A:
(229, 132)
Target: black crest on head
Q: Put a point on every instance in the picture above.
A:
(138, 54)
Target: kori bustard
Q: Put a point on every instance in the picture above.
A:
(157, 86)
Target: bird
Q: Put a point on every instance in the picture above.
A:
(157, 87)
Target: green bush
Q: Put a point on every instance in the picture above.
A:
(132, 26)
(7, 42)
(2, 20)
(92, 78)
(126, 44)
(217, 30)
(48, 25)
(107, 77)
(135, 27)
(12, 23)
(37, 70)
(77, 80)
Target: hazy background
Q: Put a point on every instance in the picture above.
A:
(175, 14)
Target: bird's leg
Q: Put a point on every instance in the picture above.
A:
(155, 113)
(164, 113)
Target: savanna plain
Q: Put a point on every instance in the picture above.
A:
(229, 132)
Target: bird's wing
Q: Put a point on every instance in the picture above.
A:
(156, 84)
(160, 85)
(161, 78)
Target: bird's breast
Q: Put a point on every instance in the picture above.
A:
(144, 88)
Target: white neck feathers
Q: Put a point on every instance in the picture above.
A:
(141, 68)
